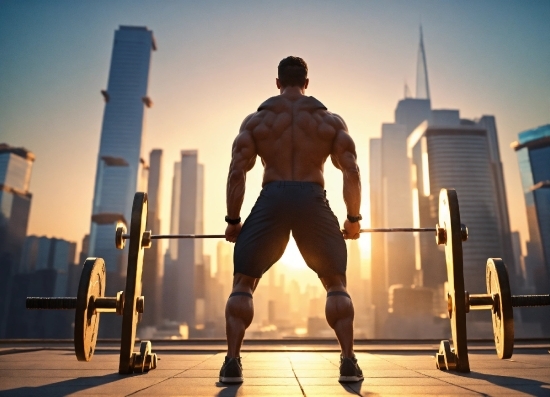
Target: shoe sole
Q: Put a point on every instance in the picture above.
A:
(350, 378)
(229, 379)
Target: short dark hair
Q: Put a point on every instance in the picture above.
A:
(292, 72)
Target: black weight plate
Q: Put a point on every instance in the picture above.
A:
(133, 283)
(498, 286)
(449, 218)
(86, 320)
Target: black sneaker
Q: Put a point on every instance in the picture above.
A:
(232, 370)
(349, 370)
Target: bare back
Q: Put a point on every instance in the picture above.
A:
(293, 135)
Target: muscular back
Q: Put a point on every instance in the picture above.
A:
(293, 135)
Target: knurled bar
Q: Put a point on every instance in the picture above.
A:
(384, 230)
(399, 229)
(530, 300)
(51, 303)
(160, 236)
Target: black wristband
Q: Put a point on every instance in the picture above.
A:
(233, 221)
(354, 219)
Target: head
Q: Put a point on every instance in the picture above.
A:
(292, 72)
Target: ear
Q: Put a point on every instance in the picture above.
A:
(278, 83)
(307, 82)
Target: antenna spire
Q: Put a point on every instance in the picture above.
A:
(422, 85)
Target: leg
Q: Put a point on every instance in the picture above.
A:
(339, 312)
(239, 313)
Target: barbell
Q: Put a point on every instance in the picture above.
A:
(121, 234)
(90, 302)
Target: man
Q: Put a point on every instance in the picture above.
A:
(293, 134)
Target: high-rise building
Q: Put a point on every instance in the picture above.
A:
(392, 260)
(41, 253)
(184, 261)
(15, 205)
(121, 170)
(452, 153)
(43, 271)
(152, 269)
(533, 150)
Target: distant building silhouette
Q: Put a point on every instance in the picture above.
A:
(152, 269)
(43, 271)
(392, 260)
(184, 262)
(15, 204)
(121, 169)
(533, 150)
(428, 150)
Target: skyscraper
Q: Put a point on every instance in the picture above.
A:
(450, 152)
(15, 205)
(152, 260)
(184, 264)
(121, 170)
(43, 271)
(533, 150)
(15, 202)
(391, 199)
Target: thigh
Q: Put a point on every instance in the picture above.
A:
(319, 238)
(263, 238)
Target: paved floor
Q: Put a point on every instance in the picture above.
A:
(25, 372)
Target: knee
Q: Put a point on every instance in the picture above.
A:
(339, 307)
(240, 307)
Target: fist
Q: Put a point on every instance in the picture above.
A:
(232, 232)
(351, 230)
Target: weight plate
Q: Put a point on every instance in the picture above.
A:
(133, 283)
(86, 320)
(498, 286)
(449, 219)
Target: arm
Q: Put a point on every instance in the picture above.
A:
(243, 158)
(344, 158)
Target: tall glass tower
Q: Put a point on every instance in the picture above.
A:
(533, 149)
(121, 170)
(15, 205)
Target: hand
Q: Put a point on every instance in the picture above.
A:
(232, 232)
(351, 230)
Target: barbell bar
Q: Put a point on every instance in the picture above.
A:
(121, 234)
(488, 302)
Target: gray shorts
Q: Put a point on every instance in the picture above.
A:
(297, 207)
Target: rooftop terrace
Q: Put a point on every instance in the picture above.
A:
(277, 368)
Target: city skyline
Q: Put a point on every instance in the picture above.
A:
(209, 73)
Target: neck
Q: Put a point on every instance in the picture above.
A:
(292, 90)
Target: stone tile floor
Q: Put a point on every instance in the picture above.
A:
(27, 372)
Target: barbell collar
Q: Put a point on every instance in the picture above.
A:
(105, 305)
(530, 300)
(480, 301)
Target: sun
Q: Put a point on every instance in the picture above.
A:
(292, 257)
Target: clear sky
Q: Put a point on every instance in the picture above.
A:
(216, 62)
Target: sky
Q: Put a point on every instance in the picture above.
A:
(216, 62)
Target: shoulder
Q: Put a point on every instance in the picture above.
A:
(334, 120)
